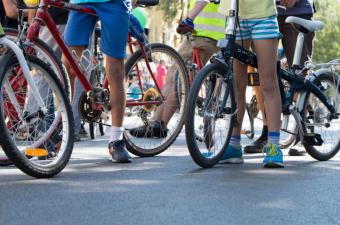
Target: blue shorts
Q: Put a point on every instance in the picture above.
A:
(114, 19)
(258, 29)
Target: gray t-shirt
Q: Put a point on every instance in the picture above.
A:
(303, 7)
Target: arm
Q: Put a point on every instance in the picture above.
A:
(199, 6)
(11, 8)
(187, 25)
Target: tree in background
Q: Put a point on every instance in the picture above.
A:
(327, 41)
(171, 9)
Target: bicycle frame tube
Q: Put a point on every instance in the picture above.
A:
(22, 61)
(42, 15)
(305, 85)
(232, 17)
(196, 58)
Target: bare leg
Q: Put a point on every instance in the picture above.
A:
(167, 110)
(241, 81)
(266, 51)
(115, 73)
(71, 73)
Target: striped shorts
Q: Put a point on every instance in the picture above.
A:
(258, 29)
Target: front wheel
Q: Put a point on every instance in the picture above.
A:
(37, 138)
(209, 115)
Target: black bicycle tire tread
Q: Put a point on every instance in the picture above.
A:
(189, 126)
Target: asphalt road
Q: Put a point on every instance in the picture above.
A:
(171, 189)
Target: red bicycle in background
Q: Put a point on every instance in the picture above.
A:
(95, 100)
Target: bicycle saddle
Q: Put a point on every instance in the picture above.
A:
(303, 25)
(147, 2)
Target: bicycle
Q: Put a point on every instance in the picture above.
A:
(95, 100)
(219, 101)
(35, 113)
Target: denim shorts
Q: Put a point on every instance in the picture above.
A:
(114, 18)
(258, 29)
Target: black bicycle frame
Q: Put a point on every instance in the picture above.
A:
(297, 82)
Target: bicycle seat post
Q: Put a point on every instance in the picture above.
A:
(298, 50)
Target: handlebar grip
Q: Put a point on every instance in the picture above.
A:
(147, 2)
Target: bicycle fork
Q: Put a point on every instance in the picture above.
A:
(26, 72)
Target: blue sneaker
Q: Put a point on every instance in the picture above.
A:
(232, 155)
(274, 157)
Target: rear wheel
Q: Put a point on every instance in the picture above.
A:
(319, 121)
(38, 140)
(210, 115)
(143, 88)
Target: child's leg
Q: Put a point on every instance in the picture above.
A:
(233, 153)
(240, 85)
(266, 51)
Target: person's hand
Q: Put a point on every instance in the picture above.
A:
(288, 3)
(186, 26)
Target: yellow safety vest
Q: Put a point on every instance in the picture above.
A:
(2, 33)
(209, 23)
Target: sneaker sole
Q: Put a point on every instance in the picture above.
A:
(295, 152)
(273, 165)
(121, 161)
(232, 161)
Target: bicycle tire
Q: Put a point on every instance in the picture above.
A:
(318, 115)
(51, 59)
(8, 143)
(158, 146)
(4, 160)
(203, 100)
(48, 56)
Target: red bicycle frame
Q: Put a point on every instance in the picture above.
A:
(195, 60)
(43, 16)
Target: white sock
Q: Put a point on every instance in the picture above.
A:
(116, 133)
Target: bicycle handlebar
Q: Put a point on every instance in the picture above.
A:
(147, 2)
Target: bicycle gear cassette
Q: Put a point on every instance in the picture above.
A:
(150, 95)
(86, 111)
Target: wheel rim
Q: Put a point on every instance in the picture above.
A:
(139, 116)
(39, 138)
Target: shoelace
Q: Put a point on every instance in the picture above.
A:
(272, 150)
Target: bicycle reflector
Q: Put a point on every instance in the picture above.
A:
(36, 152)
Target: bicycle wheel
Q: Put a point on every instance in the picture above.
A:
(288, 125)
(249, 117)
(39, 140)
(319, 121)
(143, 88)
(4, 160)
(211, 100)
(289, 131)
(42, 51)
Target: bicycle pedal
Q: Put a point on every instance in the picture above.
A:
(313, 139)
